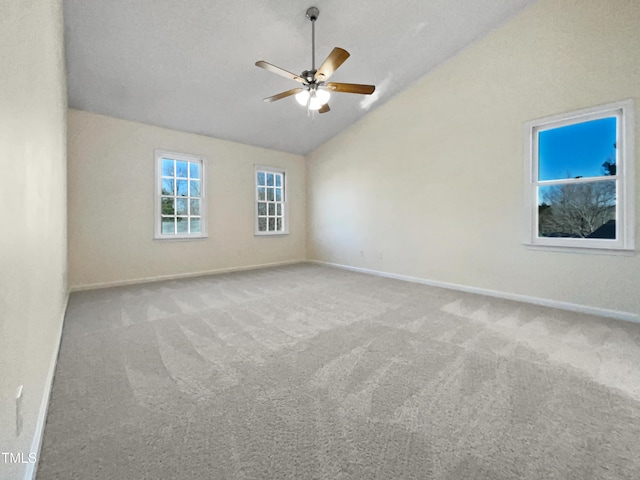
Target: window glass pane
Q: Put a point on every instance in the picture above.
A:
(585, 149)
(168, 186)
(194, 170)
(168, 226)
(182, 224)
(167, 167)
(578, 210)
(195, 207)
(167, 206)
(181, 188)
(181, 206)
(195, 188)
(181, 169)
(270, 212)
(181, 196)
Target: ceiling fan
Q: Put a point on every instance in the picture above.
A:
(315, 90)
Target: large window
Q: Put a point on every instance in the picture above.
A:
(580, 179)
(271, 204)
(180, 207)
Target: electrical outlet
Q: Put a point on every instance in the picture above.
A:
(19, 419)
(362, 253)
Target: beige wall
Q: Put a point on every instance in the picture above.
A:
(431, 184)
(111, 204)
(33, 288)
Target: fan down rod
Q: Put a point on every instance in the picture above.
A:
(312, 14)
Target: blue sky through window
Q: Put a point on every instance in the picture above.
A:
(577, 150)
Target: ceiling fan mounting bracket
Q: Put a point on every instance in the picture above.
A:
(312, 13)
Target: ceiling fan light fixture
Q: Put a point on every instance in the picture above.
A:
(303, 97)
(315, 99)
(318, 99)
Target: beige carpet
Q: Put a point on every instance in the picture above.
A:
(309, 372)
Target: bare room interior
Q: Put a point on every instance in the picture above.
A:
(322, 240)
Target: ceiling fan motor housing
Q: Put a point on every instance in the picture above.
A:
(308, 75)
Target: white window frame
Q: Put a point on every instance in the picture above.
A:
(624, 178)
(284, 202)
(159, 155)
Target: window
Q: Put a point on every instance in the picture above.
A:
(580, 177)
(180, 207)
(271, 201)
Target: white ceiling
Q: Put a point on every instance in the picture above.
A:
(189, 65)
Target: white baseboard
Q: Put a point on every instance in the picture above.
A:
(574, 307)
(160, 278)
(36, 444)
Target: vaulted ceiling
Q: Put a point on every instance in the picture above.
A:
(189, 65)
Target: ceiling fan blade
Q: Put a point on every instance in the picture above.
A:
(288, 93)
(279, 71)
(324, 108)
(331, 64)
(351, 88)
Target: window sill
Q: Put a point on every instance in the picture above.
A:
(180, 238)
(270, 234)
(627, 252)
